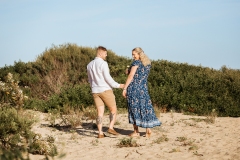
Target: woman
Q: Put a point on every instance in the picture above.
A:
(140, 109)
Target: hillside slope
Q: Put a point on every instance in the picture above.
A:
(58, 79)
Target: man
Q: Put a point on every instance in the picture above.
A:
(102, 83)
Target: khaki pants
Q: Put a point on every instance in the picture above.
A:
(107, 97)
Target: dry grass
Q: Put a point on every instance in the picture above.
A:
(187, 142)
(89, 113)
(117, 123)
(43, 146)
(161, 139)
(157, 111)
(72, 119)
(127, 142)
(181, 139)
(95, 142)
(52, 117)
(193, 147)
(197, 119)
(29, 114)
(122, 110)
(211, 118)
(175, 150)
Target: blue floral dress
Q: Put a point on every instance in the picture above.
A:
(140, 108)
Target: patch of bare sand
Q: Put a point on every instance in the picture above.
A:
(189, 138)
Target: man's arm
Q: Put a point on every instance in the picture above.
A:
(89, 77)
(108, 78)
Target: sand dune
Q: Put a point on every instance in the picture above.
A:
(180, 137)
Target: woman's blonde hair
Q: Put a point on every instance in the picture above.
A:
(143, 57)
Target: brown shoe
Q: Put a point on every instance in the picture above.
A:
(112, 131)
(101, 135)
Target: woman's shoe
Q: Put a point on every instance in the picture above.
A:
(134, 134)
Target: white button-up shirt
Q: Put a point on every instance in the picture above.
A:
(99, 76)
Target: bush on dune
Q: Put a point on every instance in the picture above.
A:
(58, 77)
(16, 137)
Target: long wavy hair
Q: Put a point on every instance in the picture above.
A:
(143, 57)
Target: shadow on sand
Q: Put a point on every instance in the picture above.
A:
(88, 129)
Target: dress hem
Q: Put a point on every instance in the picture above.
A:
(142, 126)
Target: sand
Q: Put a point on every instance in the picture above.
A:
(181, 137)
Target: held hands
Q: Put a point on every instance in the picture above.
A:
(121, 86)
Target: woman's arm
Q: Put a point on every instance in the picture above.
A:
(129, 80)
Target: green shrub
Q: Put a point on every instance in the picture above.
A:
(16, 137)
(58, 77)
(77, 97)
(36, 104)
(195, 89)
(15, 133)
(127, 142)
(10, 93)
(43, 146)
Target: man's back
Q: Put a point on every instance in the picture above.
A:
(99, 77)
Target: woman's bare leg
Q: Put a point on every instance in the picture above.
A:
(135, 127)
(148, 132)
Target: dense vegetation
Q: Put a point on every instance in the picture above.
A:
(16, 138)
(58, 78)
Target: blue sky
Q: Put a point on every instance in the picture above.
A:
(198, 32)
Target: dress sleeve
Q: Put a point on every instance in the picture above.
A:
(136, 63)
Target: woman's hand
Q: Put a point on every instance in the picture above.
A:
(127, 70)
(124, 93)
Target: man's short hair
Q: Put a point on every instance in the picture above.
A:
(101, 48)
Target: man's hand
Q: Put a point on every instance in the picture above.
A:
(121, 86)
